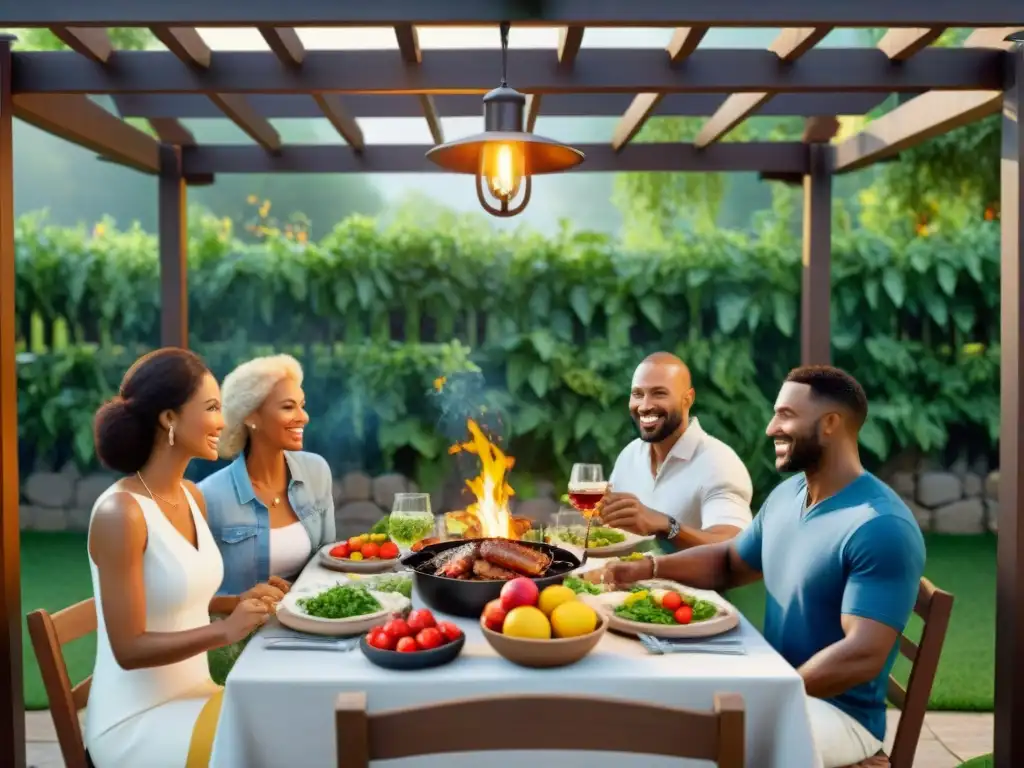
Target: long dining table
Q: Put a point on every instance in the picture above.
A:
(278, 706)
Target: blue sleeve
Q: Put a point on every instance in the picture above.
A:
(884, 561)
(748, 543)
(330, 532)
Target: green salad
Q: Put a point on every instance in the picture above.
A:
(397, 583)
(340, 602)
(649, 606)
(580, 586)
(599, 537)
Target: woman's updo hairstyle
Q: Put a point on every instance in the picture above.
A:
(125, 427)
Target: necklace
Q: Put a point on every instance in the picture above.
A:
(153, 495)
(276, 497)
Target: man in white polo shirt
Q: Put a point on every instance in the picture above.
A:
(675, 481)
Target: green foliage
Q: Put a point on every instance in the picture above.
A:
(550, 330)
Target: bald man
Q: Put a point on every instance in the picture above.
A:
(675, 481)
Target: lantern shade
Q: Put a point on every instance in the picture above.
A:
(541, 155)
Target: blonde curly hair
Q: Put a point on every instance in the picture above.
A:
(244, 390)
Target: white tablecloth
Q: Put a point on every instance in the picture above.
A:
(278, 708)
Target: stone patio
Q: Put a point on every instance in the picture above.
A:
(948, 738)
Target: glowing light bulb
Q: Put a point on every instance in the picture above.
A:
(502, 167)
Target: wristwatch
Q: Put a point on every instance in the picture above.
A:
(673, 528)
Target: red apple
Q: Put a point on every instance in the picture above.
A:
(521, 591)
(494, 615)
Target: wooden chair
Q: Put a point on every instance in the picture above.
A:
(934, 607)
(542, 723)
(49, 634)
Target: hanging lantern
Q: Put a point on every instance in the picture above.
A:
(504, 158)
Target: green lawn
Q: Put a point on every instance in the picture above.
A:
(55, 573)
(985, 761)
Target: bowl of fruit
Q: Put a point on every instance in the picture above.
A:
(416, 642)
(541, 628)
(365, 553)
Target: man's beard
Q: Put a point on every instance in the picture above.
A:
(671, 420)
(804, 454)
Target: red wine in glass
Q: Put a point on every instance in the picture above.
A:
(586, 496)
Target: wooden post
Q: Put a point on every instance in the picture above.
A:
(815, 294)
(12, 694)
(1009, 691)
(173, 225)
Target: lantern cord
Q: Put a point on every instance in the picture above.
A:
(504, 53)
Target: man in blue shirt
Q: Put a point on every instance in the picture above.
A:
(841, 557)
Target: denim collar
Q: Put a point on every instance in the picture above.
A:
(243, 485)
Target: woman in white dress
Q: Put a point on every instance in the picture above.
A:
(155, 570)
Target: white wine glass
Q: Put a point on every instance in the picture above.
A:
(411, 520)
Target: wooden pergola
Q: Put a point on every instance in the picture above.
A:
(944, 89)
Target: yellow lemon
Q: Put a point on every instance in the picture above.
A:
(573, 619)
(553, 596)
(527, 621)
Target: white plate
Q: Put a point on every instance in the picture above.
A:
(356, 566)
(625, 547)
(294, 617)
(726, 619)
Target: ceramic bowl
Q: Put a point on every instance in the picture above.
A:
(405, 662)
(556, 652)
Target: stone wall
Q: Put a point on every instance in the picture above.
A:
(63, 500)
(959, 500)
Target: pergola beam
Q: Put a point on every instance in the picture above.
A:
(412, 55)
(778, 157)
(187, 47)
(569, 41)
(901, 44)
(82, 121)
(914, 122)
(12, 691)
(1009, 677)
(589, 13)
(91, 42)
(171, 131)
(684, 42)
(285, 43)
(346, 126)
(790, 45)
(172, 216)
(472, 71)
(815, 294)
(190, 105)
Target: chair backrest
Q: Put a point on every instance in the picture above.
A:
(542, 723)
(934, 607)
(49, 634)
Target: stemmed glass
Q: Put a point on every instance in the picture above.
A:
(411, 520)
(587, 487)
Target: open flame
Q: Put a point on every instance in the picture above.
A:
(490, 514)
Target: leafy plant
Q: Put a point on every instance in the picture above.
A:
(406, 331)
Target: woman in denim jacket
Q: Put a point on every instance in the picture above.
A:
(272, 508)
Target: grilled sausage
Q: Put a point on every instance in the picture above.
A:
(491, 572)
(515, 557)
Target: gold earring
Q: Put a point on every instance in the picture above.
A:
(252, 427)
(170, 435)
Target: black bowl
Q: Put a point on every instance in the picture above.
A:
(405, 662)
(459, 597)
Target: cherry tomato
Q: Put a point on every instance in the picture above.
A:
(407, 645)
(397, 628)
(671, 601)
(419, 619)
(388, 550)
(429, 638)
(340, 551)
(684, 614)
(449, 630)
(369, 549)
(381, 640)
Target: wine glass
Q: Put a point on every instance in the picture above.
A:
(411, 519)
(587, 487)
